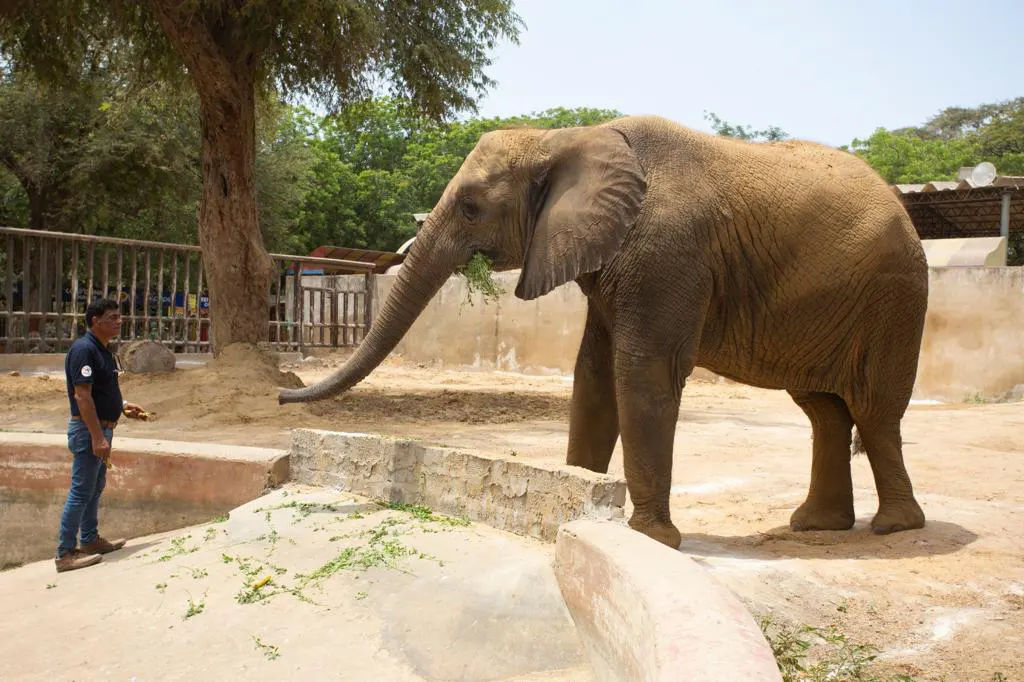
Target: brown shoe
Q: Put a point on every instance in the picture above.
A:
(101, 546)
(76, 559)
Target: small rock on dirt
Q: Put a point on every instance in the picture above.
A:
(14, 373)
(145, 356)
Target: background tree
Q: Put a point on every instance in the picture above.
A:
(432, 51)
(43, 132)
(726, 129)
(104, 158)
(379, 162)
(955, 137)
(904, 157)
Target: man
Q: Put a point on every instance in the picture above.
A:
(96, 405)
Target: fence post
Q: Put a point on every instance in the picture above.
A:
(368, 298)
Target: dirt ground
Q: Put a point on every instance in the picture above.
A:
(942, 603)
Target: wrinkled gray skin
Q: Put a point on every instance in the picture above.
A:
(786, 266)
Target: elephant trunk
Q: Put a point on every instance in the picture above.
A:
(424, 271)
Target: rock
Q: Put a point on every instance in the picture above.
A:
(14, 373)
(143, 356)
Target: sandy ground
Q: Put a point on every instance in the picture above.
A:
(355, 592)
(942, 603)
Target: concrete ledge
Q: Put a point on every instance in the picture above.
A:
(647, 612)
(155, 486)
(527, 499)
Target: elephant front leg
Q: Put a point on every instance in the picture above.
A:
(648, 392)
(593, 419)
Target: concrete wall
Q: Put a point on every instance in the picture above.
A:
(974, 334)
(973, 337)
(528, 499)
(155, 486)
(536, 336)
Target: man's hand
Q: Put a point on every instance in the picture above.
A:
(101, 447)
(133, 411)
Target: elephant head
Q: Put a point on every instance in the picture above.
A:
(555, 203)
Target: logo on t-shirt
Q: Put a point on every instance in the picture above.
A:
(86, 371)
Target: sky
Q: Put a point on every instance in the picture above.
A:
(825, 70)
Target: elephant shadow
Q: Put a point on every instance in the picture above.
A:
(937, 538)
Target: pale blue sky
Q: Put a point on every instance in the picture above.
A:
(829, 70)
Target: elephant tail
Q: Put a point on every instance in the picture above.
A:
(857, 447)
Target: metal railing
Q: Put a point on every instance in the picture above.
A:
(48, 278)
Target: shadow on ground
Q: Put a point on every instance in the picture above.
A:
(935, 539)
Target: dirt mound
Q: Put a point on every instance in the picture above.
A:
(17, 391)
(465, 407)
(238, 387)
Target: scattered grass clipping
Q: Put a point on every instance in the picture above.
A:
(195, 608)
(380, 547)
(478, 273)
(178, 548)
(269, 650)
(835, 658)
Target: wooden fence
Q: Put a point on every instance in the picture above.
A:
(48, 278)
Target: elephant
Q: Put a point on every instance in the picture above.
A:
(783, 265)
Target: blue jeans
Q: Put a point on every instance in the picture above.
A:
(88, 478)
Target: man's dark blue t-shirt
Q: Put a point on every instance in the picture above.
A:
(90, 362)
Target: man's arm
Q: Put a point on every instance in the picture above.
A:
(87, 408)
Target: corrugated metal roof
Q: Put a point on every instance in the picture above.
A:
(381, 260)
(962, 208)
(1011, 181)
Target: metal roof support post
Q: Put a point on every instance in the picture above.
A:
(1004, 216)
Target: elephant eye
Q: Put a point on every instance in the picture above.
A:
(470, 209)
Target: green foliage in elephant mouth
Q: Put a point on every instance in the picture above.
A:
(479, 277)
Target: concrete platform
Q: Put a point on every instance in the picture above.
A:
(155, 486)
(355, 592)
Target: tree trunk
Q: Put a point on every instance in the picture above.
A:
(36, 206)
(238, 266)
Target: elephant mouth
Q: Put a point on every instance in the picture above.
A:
(499, 262)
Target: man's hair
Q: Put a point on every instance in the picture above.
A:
(97, 308)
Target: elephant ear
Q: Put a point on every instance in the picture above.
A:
(588, 197)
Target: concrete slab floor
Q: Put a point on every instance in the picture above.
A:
(355, 592)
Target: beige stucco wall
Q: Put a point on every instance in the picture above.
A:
(974, 335)
(973, 343)
(536, 336)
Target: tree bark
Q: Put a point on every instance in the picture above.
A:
(36, 207)
(36, 195)
(237, 264)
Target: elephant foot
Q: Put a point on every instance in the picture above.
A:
(663, 531)
(896, 516)
(809, 516)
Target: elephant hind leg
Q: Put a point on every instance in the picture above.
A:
(829, 503)
(897, 508)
